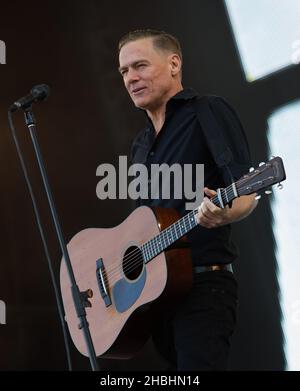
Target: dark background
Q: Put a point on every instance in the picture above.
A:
(89, 120)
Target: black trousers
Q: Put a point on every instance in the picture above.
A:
(195, 335)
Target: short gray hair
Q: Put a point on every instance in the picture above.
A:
(161, 40)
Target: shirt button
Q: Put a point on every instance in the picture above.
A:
(151, 153)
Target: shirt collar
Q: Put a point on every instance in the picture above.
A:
(185, 94)
(181, 96)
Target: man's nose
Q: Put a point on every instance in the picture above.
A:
(132, 76)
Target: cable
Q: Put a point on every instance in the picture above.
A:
(40, 227)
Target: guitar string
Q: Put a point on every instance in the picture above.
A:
(133, 258)
(135, 261)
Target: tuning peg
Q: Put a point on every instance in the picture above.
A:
(251, 169)
(268, 192)
(258, 197)
(261, 164)
(280, 186)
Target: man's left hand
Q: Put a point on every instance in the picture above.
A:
(210, 215)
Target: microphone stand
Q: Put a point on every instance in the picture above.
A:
(76, 294)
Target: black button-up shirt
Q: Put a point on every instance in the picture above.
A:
(182, 141)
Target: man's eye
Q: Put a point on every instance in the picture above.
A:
(141, 65)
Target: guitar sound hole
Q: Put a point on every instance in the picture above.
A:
(133, 262)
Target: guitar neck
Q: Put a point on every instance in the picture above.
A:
(181, 227)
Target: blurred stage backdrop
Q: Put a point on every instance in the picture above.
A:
(248, 52)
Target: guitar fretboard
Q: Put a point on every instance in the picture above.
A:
(181, 227)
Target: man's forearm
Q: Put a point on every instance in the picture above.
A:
(211, 216)
(241, 208)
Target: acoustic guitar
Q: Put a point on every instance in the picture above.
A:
(123, 271)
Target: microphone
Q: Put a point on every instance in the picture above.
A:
(39, 92)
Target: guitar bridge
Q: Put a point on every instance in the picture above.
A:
(100, 274)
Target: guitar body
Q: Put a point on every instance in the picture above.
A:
(122, 286)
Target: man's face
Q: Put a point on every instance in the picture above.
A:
(147, 73)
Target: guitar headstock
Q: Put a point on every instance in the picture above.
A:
(264, 176)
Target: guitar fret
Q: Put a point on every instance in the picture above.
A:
(192, 220)
(152, 246)
(144, 251)
(167, 237)
(215, 201)
(155, 246)
(225, 195)
(159, 243)
(151, 249)
(179, 228)
(162, 240)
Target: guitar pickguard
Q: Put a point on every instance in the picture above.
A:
(126, 293)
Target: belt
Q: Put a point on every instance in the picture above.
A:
(212, 268)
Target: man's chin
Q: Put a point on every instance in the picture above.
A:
(140, 104)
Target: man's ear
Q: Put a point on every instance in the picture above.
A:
(175, 64)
